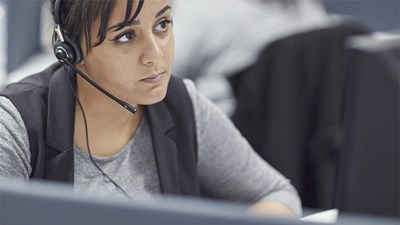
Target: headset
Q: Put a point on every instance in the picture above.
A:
(69, 53)
(64, 48)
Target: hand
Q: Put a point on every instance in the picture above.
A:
(274, 209)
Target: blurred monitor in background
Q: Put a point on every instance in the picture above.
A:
(378, 15)
(22, 43)
(39, 50)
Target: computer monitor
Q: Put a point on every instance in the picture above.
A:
(44, 204)
(39, 204)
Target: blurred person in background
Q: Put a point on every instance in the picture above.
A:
(215, 39)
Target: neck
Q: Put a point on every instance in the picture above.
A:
(110, 125)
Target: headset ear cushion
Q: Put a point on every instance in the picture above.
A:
(77, 52)
(68, 50)
(63, 51)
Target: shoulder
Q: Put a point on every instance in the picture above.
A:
(38, 82)
(203, 107)
(15, 155)
(10, 118)
(6, 109)
(29, 98)
(12, 127)
(190, 87)
(31, 93)
(199, 101)
(207, 114)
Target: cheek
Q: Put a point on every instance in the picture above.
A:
(169, 51)
(102, 72)
(108, 66)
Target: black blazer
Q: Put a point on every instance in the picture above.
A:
(47, 106)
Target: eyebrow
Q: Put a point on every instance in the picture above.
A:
(162, 11)
(137, 22)
(121, 25)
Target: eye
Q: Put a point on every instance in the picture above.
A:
(125, 36)
(162, 26)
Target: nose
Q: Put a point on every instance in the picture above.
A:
(152, 52)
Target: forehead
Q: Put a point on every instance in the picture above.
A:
(148, 11)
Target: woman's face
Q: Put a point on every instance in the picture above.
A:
(135, 62)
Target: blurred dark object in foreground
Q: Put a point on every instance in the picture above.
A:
(60, 205)
(368, 170)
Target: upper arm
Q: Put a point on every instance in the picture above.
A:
(228, 166)
(15, 155)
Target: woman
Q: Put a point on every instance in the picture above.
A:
(58, 126)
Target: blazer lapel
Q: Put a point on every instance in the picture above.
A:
(165, 149)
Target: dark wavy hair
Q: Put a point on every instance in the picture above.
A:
(77, 18)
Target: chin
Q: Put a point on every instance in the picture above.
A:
(154, 98)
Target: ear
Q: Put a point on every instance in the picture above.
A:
(83, 50)
(82, 63)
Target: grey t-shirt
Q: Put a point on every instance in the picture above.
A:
(228, 167)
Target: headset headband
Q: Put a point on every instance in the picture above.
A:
(57, 12)
(64, 48)
(57, 21)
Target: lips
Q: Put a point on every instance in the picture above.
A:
(157, 77)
